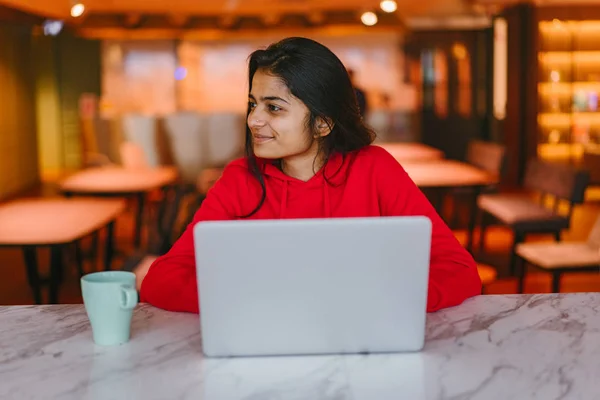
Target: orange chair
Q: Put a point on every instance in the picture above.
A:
(487, 274)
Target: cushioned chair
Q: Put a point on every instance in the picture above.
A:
(524, 215)
(487, 156)
(591, 162)
(562, 257)
(189, 143)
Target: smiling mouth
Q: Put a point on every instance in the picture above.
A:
(262, 138)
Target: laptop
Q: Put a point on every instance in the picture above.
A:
(312, 286)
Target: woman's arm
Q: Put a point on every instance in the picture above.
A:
(171, 280)
(453, 275)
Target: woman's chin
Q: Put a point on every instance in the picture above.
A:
(262, 151)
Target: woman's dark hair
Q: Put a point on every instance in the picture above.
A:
(315, 75)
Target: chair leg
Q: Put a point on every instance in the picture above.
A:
(482, 222)
(56, 271)
(556, 275)
(33, 275)
(79, 258)
(109, 245)
(519, 237)
(557, 236)
(473, 216)
(522, 270)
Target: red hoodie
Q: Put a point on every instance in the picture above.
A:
(366, 183)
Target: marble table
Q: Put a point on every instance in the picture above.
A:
(491, 347)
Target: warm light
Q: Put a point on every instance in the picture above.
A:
(77, 10)
(459, 51)
(556, 22)
(555, 76)
(500, 83)
(369, 18)
(388, 6)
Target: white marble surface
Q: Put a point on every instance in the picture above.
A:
(491, 347)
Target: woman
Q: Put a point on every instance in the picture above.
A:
(309, 156)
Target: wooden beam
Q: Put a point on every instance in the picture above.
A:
(178, 20)
(12, 15)
(132, 20)
(316, 17)
(271, 19)
(227, 21)
(223, 35)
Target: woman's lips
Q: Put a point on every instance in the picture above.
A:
(260, 139)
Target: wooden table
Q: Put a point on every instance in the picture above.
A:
(447, 174)
(55, 223)
(412, 152)
(544, 346)
(121, 182)
(443, 175)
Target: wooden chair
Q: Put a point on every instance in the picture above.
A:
(162, 234)
(562, 257)
(524, 215)
(591, 162)
(487, 156)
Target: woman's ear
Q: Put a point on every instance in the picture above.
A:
(324, 127)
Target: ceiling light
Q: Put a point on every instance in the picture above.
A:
(77, 10)
(369, 18)
(389, 6)
(52, 27)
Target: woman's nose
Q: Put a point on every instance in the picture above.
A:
(255, 120)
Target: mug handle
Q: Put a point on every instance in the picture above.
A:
(129, 297)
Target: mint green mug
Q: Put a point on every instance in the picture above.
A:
(109, 298)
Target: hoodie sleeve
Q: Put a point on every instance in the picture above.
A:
(453, 275)
(171, 281)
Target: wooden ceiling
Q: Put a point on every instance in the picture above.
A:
(157, 18)
(61, 8)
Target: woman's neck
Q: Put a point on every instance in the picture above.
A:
(302, 167)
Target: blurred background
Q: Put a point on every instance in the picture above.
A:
(128, 98)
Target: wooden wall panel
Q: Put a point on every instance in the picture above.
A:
(18, 143)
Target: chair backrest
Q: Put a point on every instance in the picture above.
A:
(226, 133)
(189, 143)
(132, 156)
(381, 122)
(564, 182)
(490, 157)
(141, 129)
(591, 162)
(594, 236)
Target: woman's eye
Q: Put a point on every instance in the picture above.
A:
(251, 105)
(274, 108)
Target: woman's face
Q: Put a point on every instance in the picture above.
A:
(278, 121)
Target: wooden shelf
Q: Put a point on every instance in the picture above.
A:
(569, 49)
(557, 118)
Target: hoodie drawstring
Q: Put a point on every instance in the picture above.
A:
(283, 199)
(326, 201)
